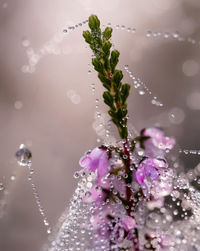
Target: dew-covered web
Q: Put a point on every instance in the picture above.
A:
(175, 225)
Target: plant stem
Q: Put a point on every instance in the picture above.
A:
(105, 62)
(129, 193)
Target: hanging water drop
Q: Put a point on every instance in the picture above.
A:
(149, 33)
(23, 156)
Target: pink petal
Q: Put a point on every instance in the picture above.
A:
(85, 161)
(128, 223)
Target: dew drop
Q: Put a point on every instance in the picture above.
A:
(175, 212)
(26, 43)
(1, 187)
(141, 92)
(49, 231)
(13, 177)
(23, 156)
(76, 175)
(18, 105)
(149, 33)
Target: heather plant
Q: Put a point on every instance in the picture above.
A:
(122, 201)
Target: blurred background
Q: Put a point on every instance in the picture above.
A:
(48, 95)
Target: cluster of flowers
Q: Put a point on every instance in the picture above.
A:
(137, 171)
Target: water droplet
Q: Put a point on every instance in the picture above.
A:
(141, 153)
(125, 156)
(5, 5)
(175, 34)
(166, 35)
(49, 231)
(176, 115)
(149, 33)
(175, 212)
(76, 175)
(1, 187)
(23, 156)
(141, 92)
(26, 43)
(190, 68)
(13, 177)
(18, 105)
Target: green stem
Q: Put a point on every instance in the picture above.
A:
(105, 61)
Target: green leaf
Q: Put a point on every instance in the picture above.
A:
(114, 59)
(117, 76)
(105, 62)
(125, 89)
(106, 47)
(97, 65)
(107, 33)
(104, 80)
(94, 22)
(108, 99)
(115, 121)
(88, 37)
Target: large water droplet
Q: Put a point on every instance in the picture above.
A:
(23, 156)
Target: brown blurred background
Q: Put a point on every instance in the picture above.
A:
(46, 99)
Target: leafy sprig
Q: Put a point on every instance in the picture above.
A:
(105, 61)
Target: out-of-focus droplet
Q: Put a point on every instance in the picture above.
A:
(18, 104)
(176, 116)
(23, 156)
(76, 99)
(5, 5)
(190, 68)
(49, 231)
(193, 101)
(149, 33)
(25, 42)
(141, 92)
(13, 177)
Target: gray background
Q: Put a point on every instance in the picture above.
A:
(36, 108)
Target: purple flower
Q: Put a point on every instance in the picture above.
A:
(164, 185)
(155, 203)
(149, 169)
(96, 160)
(157, 144)
(95, 194)
(123, 229)
(118, 233)
(128, 223)
(155, 178)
